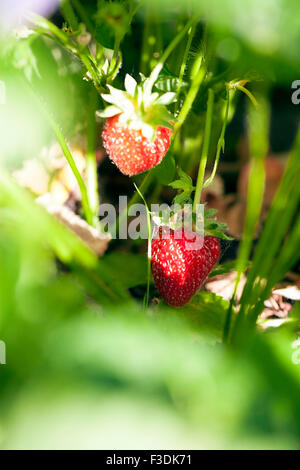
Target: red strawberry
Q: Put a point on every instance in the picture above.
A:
(130, 150)
(137, 132)
(178, 271)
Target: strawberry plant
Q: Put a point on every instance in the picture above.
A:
(170, 320)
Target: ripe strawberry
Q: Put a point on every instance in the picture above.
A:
(179, 272)
(137, 132)
(130, 150)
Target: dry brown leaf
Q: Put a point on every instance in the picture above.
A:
(276, 306)
(223, 285)
(34, 176)
(272, 323)
(291, 292)
(50, 172)
(215, 188)
(96, 241)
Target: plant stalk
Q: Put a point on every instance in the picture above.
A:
(146, 299)
(66, 151)
(221, 141)
(157, 69)
(191, 34)
(114, 59)
(143, 188)
(258, 119)
(197, 76)
(91, 163)
(205, 149)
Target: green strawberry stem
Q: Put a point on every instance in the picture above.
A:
(70, 16)
(191, 34)
(146, 298)
(248, 93)
(91, 163)
(143, 188)
(89, 66)
(44, 27)
(157, 69)
(66, 151)
(197, 76)
(258, 128)
(221, 141)
(113, 64)
(205, 149)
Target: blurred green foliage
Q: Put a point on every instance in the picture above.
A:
(86, 366)
(81, 374)
(253, 36)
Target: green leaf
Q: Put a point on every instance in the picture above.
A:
(130, 269)
(184, 176)
(179, 184)
(210, 212)
(205, 312)
(211, 226)
(219, 234)
(182, 198)
(185, 183)
(168, 82)
(272, 257)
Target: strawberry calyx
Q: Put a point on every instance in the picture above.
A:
(205, 223)
(213, 227)
(138, 106)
